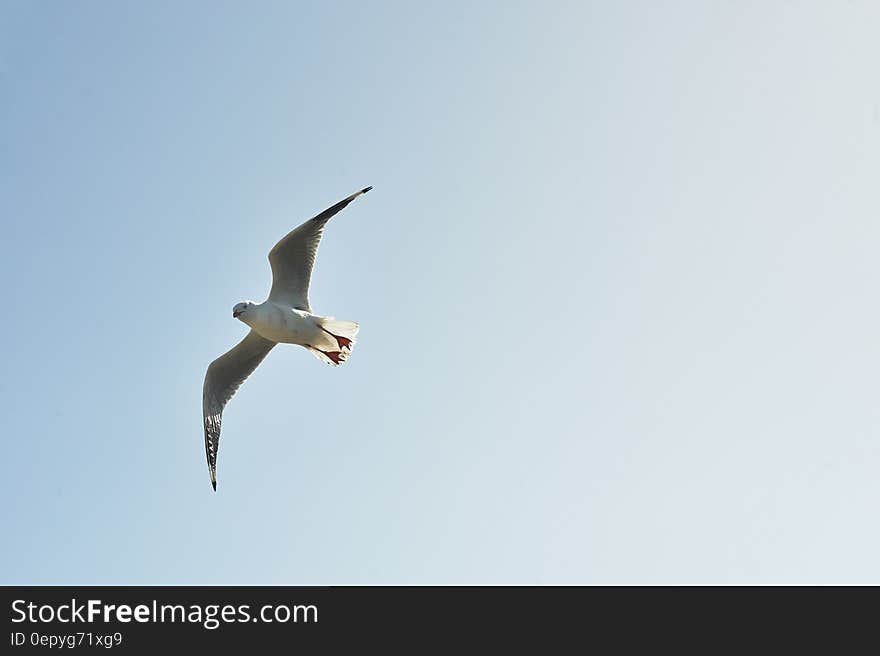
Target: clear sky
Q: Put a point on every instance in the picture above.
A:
(617, 288)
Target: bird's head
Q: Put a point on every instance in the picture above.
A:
(242, 310)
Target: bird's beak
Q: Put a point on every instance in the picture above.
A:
(235, 313)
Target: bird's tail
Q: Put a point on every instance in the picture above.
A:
(339, 340)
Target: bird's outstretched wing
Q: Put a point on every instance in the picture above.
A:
(293, 257)
(223, 378)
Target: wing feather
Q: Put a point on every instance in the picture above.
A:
(293, 258)
(222, 380)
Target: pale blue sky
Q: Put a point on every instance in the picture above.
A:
(616, 286)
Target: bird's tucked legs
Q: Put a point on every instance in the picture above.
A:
(343, 342)
(336, 357)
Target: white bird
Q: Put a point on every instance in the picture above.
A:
(286, 317)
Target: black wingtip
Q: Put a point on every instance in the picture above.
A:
(214, 485)
(363, 191)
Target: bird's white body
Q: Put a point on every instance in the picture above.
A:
(286, 325)
(328, 339)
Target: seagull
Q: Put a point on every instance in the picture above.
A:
(285, 317)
